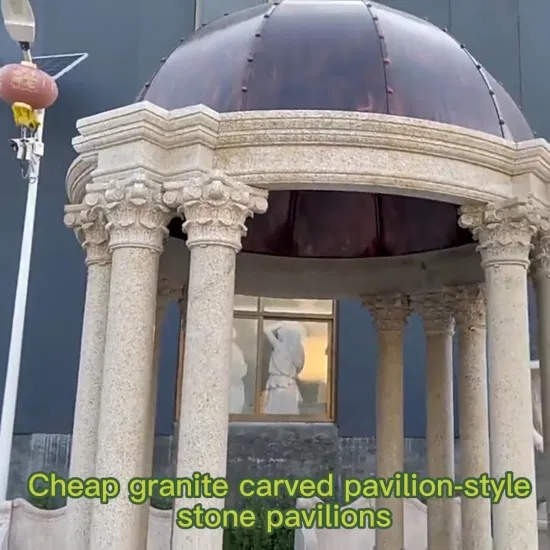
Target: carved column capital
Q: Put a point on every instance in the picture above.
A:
(215, 208)
(390, 311)
(168, 291)
(504, 231)
(134, 209)
(540, 261)
(89, 225)
(467, 303)
(435, 312)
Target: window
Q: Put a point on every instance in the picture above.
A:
(282, 361)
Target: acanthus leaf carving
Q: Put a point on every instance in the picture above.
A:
(540, 261)
(436, 314)
(135, 212)
(468, 305)
(504, 231)
(89, 225)
(215, 208)
(389, 312)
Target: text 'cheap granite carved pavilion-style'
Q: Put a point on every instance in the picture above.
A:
(313, 149)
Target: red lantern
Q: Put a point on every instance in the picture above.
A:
(24, 83)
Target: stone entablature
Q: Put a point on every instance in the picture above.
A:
(312, 150)
(140, 166)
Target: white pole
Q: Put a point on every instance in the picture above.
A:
(18, 322)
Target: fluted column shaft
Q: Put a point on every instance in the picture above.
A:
(469, 309)
(541, 278)
(136, 221)
(89, 225)
(439, 329)
(390, 315)
(215, 211)
(504, 233)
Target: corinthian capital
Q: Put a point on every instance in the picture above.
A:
(434, 309)
(389, 311)
(215, 208)
(136, 215)
(467, 302)
(503, 231)
(89, 225)
(540, 262)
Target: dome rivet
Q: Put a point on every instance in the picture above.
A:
(244, 89)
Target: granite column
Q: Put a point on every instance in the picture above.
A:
(137, 221)
(390, 314)
(439, 330)
(468, 303)
(540, 269)
(504, 232)
(89, 225)
(215, 209)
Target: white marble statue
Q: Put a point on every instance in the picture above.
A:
(285, 364)
(239, 369)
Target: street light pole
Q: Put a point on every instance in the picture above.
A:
(29, 148)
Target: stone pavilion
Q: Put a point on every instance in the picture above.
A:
(313, 149)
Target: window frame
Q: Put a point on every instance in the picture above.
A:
(260, 315)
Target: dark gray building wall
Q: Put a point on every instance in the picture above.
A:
(357, 360)
(126, 40)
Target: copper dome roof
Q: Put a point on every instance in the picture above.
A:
(339, 55)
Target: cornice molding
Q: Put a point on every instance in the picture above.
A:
(144, 121)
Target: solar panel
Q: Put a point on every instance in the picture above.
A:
(58, 65)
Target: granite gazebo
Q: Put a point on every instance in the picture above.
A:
(380, 161)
